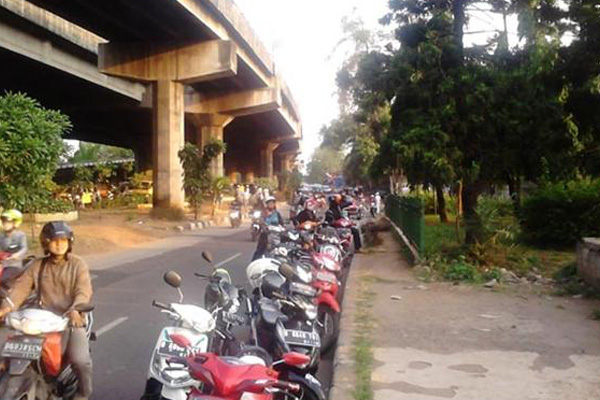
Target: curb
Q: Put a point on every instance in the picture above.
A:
(342, 386)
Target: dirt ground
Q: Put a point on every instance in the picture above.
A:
(106, 230)
(433, 341)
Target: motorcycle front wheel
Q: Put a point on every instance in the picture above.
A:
(153, 390)
(328, 327)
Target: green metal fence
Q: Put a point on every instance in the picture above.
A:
(407, 214)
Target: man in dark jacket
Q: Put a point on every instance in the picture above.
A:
(336, 206)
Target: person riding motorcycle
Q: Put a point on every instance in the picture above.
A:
(12, 241)
(61, 281)
(307, 214)
(336, 205)
(271, 217)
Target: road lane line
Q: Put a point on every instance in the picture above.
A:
(233, 257)
(110, 325)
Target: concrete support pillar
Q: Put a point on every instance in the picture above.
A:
(211, 127)
(249, 177)
(168, 140)
(286, 162)
(266, 159)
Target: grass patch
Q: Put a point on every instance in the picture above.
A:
(446, 258)
(362, 341)
(595, 315)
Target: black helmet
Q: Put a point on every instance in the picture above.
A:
(54, 230)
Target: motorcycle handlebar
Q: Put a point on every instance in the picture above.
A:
(160, 305)
(292, 387)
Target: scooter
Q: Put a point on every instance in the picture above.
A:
(285, 313)
(197, 324)
(248, 377)
(255, 224)
(235, 215)
(34, 355)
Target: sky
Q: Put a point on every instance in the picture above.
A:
(302, 38)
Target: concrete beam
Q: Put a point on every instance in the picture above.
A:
(293, 124)
(43, 51)
(53, 23)
(186, 63)
(236, 104)
(226, 22)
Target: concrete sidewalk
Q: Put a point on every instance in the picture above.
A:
(439, 341)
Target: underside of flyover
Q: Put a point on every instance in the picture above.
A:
(102, 115)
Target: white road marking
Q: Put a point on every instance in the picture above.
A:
(233, 257)
(110, 326)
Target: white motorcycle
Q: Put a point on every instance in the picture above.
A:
(166, 379)
(34, 353)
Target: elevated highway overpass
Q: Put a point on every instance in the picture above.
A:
(152, 74)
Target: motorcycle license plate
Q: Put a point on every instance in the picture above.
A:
(170, 349)
(302, 338)
(23, 347)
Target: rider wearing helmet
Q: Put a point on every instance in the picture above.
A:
(61, 281)
(271, 217)
(307, 214)
(12, 241)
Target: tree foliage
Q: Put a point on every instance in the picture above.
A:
(30, 149)
(325, 161)
(197, 178)
(94, 152)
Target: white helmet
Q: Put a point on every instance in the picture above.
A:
(270, 198)
(258, 268)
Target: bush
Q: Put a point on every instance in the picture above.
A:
(560, 214)
(461, 270)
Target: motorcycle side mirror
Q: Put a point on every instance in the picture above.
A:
(295, 359)
(207, 256)
(286, 270)
(173, 279)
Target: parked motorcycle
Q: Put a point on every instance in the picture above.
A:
(249, 377)
(196, 323)
(34, 354)
(285, 312)
(225, 301)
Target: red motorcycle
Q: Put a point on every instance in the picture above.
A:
(247, 377)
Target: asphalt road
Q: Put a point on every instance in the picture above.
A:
(128, 325)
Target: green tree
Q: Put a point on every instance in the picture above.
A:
(479, 115)
(94, 152)
(325, 161)
(30, 149)
(217, 187)
(197, 178)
